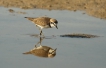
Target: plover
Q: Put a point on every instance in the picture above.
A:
(43, 51)
(43, 22)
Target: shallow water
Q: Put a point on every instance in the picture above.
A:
(15, 39)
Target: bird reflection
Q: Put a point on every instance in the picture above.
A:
(42, 51)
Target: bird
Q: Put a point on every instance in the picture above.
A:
(43, 22)
(43, 51)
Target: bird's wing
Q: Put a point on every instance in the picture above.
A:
(43, 21)
(40, 53)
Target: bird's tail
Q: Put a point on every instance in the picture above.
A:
(29, 18)
(27, 52)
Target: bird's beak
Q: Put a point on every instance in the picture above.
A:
(55, 49)
(56, 26)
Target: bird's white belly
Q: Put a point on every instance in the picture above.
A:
(42, 27)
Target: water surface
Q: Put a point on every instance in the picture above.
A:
(15, 39)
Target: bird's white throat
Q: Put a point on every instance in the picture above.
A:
(52, 25)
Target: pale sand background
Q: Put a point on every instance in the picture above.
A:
(95, 8)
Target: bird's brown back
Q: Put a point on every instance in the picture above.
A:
(43, 21)
(41, 52)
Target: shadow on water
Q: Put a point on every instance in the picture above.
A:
(42, 51)
(45, 37)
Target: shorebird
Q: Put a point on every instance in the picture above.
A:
(43, 22)
(43, 51)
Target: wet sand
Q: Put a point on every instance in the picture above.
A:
(95, 8)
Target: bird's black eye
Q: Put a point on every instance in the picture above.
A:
(56, 22)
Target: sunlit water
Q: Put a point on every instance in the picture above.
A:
(15, 39)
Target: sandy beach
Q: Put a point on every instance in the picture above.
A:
(95, 8)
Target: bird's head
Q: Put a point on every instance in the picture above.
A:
(53, 23)
(52, 53)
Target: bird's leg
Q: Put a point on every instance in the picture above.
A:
(41, 38)
(41, 33)
(37, 44)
